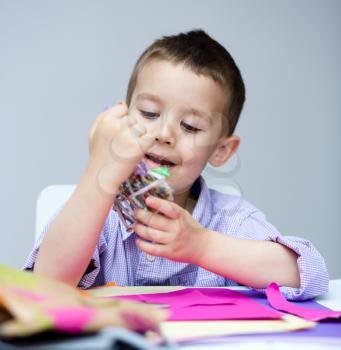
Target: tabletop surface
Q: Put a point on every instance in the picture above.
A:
(332, 300)
(104, 339)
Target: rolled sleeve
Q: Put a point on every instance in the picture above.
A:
(31, 259)
(314, 276)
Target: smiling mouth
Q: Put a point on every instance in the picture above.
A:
(159, 160)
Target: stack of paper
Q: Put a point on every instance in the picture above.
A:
(205, 312)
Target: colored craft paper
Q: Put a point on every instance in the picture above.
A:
(184, 331)
(31, 303)
(203, 330)
(278, 301)
(71, 319)
(208, 304)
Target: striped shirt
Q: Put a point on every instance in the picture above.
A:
(118, 259)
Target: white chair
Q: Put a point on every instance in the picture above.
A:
(50, 199)
(227, 186)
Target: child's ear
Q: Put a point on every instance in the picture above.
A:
(224, 150)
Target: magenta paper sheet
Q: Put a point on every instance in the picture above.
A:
(208, 304)
(277, 301)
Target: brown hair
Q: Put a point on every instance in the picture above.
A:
(203, 55)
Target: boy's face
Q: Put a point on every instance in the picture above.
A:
(185, 111)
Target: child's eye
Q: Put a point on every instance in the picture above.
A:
(189, 128)
(149, 115)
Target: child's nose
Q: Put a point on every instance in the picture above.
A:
(166, 134)
(162, 140)
(165, 137)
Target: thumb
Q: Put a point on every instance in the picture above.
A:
(119, 110)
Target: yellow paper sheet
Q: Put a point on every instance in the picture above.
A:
(192, 330)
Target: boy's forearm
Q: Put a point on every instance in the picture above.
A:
(72, 236)
(249, 262)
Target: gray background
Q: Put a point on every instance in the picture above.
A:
(62, 62)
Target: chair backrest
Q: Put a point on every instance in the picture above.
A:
(50, 199)
(227, 186)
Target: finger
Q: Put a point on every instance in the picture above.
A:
(151, 248)
(151, 234)
(154, 220)
(169, 209)
(137, 130)
(131, 120)
(118, 111)
(140, 318)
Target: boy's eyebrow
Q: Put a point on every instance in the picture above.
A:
(193, 111)
(148, 96)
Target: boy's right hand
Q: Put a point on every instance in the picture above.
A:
(117, 142)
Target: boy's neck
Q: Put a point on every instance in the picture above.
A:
(185, 200)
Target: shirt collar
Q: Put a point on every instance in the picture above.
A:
(125, 233)
(202, 211)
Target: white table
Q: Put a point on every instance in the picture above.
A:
(332, 299)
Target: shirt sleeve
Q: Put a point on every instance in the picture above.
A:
(94, 266)
(314, 278)
(31, 259)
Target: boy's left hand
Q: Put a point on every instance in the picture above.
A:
(175, 235)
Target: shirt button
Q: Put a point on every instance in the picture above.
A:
(150, 257)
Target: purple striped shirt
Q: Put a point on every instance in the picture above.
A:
(117, 257)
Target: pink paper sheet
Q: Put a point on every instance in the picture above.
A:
(208, 304)
(277, 301)
(71, 319)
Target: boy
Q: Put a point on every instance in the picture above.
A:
(184, 99)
